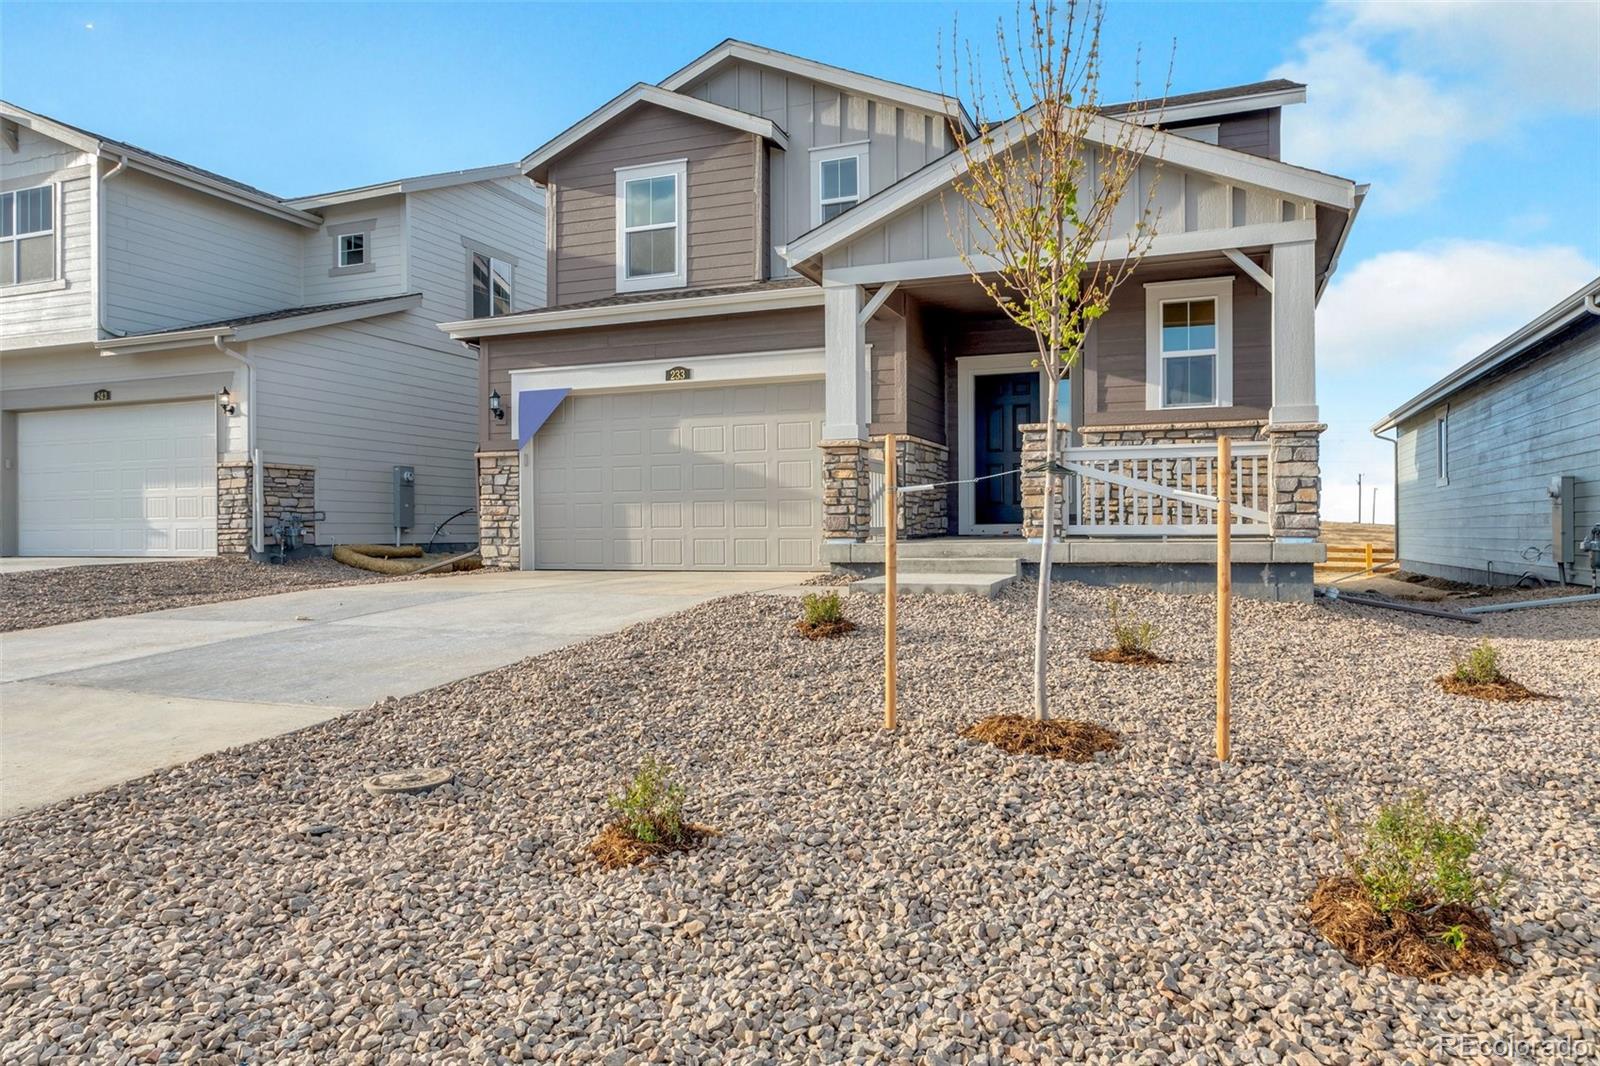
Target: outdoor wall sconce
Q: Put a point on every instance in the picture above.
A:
(495, 408)
(226, 401)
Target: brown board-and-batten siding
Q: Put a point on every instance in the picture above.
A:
(722, 201)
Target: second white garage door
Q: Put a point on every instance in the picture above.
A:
(135, 480)
(713, 478)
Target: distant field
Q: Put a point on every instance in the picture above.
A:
(1355, 533)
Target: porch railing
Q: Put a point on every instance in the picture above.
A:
(1163, 490)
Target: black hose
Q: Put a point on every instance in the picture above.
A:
(447, 521)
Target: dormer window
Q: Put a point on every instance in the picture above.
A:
(352, 247)
(651, 238)
(839, 180)
(28, 236)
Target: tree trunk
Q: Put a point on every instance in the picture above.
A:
(1041, 625)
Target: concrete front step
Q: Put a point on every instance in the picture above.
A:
(935, 565)
(939, 584)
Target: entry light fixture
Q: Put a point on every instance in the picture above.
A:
(495, 408)
(226, 401)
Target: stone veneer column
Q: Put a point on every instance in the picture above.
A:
(922, 462)
(289, 490)
(500, 509)
(233, 508)
(1293, 451)
(1033, 458)
(846, 490)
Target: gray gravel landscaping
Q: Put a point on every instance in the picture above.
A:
(35, 598)
(870, 897)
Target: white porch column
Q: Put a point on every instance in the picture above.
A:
(1294, 301)
(845, 366)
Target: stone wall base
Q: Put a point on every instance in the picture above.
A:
(847, 487)
(500, 509)
(1294, 454)
(285, 490)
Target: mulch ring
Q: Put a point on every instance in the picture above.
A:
(616, 848)
(1138, 657)
(823, 630)
(1501, 688)
(1408, 943)
(1057, 738)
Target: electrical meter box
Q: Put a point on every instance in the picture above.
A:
(405, 497)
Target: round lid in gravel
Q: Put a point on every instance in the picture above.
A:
(420, 779)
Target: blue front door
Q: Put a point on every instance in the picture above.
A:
(1000, 404)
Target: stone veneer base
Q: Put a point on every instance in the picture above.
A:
(500, 509)
(285, 489)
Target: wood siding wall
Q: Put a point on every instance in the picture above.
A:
(1507, 438)
(722, 202)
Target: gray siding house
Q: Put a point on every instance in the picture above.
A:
(184, 358)
(752, 283)
(1497, 466)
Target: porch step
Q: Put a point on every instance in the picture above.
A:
(937, 564)
(926, 583)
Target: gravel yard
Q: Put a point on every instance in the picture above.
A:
(37, 598)
(905, 897)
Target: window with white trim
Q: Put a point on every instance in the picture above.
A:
(492, 281)
(352, 249)
(650, 226)
(839, 180)
(1189, 338)
(28, 235)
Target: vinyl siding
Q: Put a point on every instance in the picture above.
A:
(723, 227)
(28, 319)
(504, 216)
(386, 252)
(175, 257)
(1256, 132)
(1507, 438)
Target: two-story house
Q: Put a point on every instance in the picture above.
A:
(752, 280)
(184, 359)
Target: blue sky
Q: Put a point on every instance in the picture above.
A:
(1478, 125)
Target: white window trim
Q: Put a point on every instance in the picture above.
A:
(679, 170)
(819, 156)
(510, 267)
(1441, 447)
(10, 244)
(969, 367)
(344, 249)
(1160, 292)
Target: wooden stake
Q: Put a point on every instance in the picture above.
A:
(891, 462)
(1224, 588)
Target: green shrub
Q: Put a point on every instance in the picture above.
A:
(821, 608)
(1411, 857)
(651, 807)
(1135, 637)
(1480, 667)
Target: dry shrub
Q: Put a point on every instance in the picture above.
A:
(1428, 945)
(1062, 738)
(1133, 642)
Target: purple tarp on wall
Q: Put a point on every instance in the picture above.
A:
(534, 407)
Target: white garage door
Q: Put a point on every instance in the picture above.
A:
(137, 480)
(713, 478)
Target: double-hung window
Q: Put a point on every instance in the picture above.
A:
(840, 181)
(651, 239)
(1189, 361)
(492, 280)
(28, 235)
(352, 249)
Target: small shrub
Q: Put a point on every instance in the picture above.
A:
(651, 807)
(1411, 857)
(821, 609)
(1455, 938)
(1480, 667)
(1132, 638)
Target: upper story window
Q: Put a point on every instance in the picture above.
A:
(352, 247)
(651, 239)
(1189, 357)
(840, 181)
(492, 285)
(28, 235)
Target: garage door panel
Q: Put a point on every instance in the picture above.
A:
(714, 477)
(133, 480)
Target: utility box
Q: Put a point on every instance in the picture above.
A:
(405, 497)
(1563, 489)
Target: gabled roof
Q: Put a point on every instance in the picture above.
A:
(261, 324)
(1583, 304)
(865, 84)
(534, 162)
(158, 164)
(1172, 148)
(404, 185)
(1228, 100)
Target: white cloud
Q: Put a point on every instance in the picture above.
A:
(1432, 308)
(1399, 91)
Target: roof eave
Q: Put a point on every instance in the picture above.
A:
(188, 338)
(472, 329)
(406, 185)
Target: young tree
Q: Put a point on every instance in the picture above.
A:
(1035, 218)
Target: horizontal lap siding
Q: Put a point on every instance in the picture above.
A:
(722, 210)
(1507, 439)
(40, 315)
(720, 335)
(1255, 132)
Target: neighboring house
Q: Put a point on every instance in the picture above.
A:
(1497, 466)
(161, 326)
(751, 281)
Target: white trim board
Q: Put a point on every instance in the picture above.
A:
(678, 171)
(969, 367)
(1155, 294)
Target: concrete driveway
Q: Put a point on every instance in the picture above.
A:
(89, 704)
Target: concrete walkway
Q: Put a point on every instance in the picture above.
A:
(23, 564)
(89, 704)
